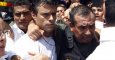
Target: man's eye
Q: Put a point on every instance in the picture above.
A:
(45, 14)
(100, 10)
(82, 27)
(17, 14)
(24, 13)
(92, 26)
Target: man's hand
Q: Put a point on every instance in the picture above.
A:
(16, 57)
(38, 56)
(34, 32)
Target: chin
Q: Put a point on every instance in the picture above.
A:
(49, 30)
(85, 40)
(23, 27)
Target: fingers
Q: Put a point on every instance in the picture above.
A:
(16, 57)
(34, 32)
(35, 35)
(31, 53)
(38, 56)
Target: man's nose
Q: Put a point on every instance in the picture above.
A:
(51, 17)
(88, 32)
(96, 12)
(22, 17)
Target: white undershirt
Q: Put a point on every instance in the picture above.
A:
(44, 45)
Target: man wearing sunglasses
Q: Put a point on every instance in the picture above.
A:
(22, 17)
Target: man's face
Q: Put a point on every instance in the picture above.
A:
(84, 28)
(22, 16)
(60, 12)
(46, 16)
(98, 12)
(2, 39)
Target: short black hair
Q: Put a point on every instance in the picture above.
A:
(97, 3)
(51, 2)
(62, 4)
(23, 2)
(85, 2)
(110, 12)
(80, 10)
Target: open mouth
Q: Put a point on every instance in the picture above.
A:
(97, 17)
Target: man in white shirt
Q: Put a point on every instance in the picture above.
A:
(106, 49)
(22, 17)
(44, 16)
(4, 55)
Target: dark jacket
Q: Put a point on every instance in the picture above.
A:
(70, 49)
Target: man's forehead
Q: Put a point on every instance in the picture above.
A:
(46, 8)
(83, 19)
(97, 7)
(21, 8)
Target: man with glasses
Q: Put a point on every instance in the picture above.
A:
(22, 17)
(5, 34)
(22, 10)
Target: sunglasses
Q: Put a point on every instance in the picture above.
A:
(24, 13)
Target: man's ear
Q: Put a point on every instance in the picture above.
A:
(33, 15)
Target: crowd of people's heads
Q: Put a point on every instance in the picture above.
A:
(80, 16)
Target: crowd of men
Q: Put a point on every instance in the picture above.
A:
(59, 30)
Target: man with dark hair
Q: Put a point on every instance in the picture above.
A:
(60, 11)
(106, 50)
(22, 26)
(22, 16)
(44, 17)
(84, 39)
(60, 15)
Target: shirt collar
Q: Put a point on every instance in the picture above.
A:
(18, 29)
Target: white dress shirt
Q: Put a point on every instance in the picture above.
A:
(17, 32)
(44, 45)
(9, 43)
(99, 24)
(106, 49)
